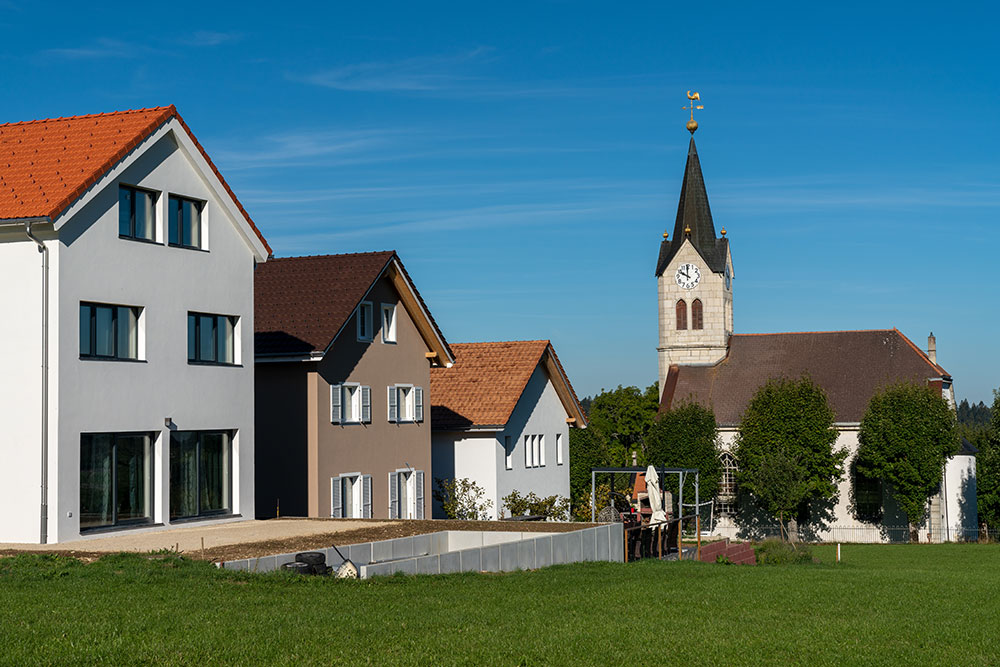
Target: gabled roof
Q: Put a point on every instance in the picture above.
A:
(487, 380)
(694, 213)
(302, 303)
(46, 165)
(849, 365)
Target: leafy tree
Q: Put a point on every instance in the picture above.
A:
(462, 499)
(552, 507)
(785, 448)
(685, 437)
(988, 469)
(586, 451)
(621, 418)
(907, 433)
(974, 414)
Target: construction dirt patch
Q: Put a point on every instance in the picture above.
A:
(276, 536)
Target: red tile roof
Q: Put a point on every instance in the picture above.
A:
(849, 365)
(486, 381)
(301, 303)
(46, 165)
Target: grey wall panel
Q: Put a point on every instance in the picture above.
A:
(450, 562)
(526, 555)
(560, 549)
(381, 551)
(617, 542)
(406, 566)
(421, 545)
(428, 564)
(439, 542)
(603, 543)
(402, 547)
(472, 560)
(543, 551)
(491, 558)
(265, 564)
(588, 544)
(508, 557)
(574, 547)
(281, 559)
(361, 554)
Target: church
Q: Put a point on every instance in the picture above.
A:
(703, 359)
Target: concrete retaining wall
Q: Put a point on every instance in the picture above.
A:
(465, 551)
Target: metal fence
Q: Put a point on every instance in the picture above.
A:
(859, 533)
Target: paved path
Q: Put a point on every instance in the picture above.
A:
(189, 537)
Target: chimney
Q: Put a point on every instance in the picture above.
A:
(932, 348)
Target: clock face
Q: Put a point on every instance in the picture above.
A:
(688, 276)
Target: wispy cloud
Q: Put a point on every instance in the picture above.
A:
(102, 48)
(306, 148)
(209, 38)
(411, 74)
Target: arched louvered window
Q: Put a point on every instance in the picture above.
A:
(726, 500)
(696, 319)
(682, 314)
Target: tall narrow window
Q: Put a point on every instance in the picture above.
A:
(726, 500)
(109, 332)
(135, 213)
(682, 314)
(559, 449)
(115, 479)
(508, 453)
(184, 222)
(388, 323)
(211, 339)
(200, 473)
(696, 317)
(365, 323)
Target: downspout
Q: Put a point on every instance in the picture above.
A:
(44, 509)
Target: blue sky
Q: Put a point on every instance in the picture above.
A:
(525, 158)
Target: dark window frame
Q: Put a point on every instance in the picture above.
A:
(92, 314)
(176, 203)
(198, 359)
(228, 509)
(697, 315)
(115, 523)
(131, 236)
(681, 314)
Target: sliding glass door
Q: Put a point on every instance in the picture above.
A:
(115, 479)
(200, 473)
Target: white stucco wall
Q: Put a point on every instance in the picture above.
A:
(20, 384)
(455, 455)
(94, 264)
(959, 491)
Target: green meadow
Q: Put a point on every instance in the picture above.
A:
(884, 604)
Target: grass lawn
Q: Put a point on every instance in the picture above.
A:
(886, 604)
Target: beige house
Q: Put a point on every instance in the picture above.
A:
(344, 348)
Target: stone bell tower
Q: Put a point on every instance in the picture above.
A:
(694, 277)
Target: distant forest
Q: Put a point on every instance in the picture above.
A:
(973, 415)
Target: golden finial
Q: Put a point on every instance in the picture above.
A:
(665, 235)
(723, 231)
(687, 230)
(692, 125)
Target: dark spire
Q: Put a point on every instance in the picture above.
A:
(694, 220)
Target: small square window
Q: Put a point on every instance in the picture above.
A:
(184, 222)
(388, 323)
(365, 323)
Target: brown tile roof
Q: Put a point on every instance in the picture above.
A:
(301, 303)
(485, 383)
(850, 366)
(46, 165)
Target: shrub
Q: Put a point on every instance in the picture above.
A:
(462, 499)
(779, 552)
(553, 507)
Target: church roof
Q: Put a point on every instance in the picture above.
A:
(850, 366)
(694, 213)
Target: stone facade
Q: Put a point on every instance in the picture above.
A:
(694, 346)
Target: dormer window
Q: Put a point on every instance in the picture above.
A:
(136, 214)
(184, 222)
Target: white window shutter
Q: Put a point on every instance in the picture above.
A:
(393, 495)
(541, 450)
(335, 404)
(336, 506)
(366, 405)
(419, 492)
(393, 405)
(527, 451)
(418, 404)
(366, 497)
(559, 451)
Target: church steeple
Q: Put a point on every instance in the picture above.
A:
(694, 220)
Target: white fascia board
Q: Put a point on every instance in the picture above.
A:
(423, 310)
(183, 139)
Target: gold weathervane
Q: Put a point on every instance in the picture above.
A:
(692, 125)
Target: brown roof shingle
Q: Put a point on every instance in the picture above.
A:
(849, 365)
(46, 165)
(486, 381)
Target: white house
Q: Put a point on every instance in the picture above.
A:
(126, 374)
(500, 416)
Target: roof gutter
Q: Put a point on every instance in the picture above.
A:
(44, 508)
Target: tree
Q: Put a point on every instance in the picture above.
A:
(988, 469)
(685, 437)
(462, 499)
(784, 448)
(907, 433)
(586, 451)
